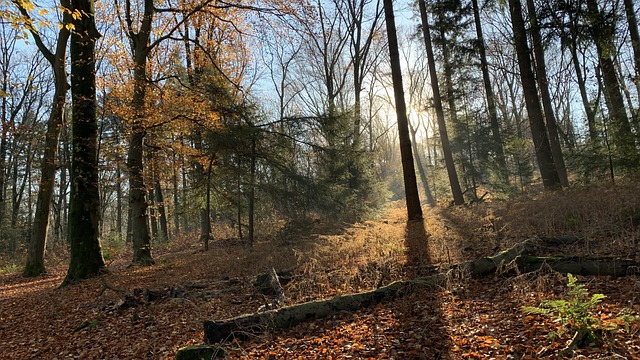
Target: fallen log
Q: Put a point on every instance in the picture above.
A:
(250, 324)
(520, 255)
(591, 265)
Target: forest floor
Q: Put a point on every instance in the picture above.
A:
(466, 319)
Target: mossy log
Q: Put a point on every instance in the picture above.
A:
(590, 265)
(248, 324)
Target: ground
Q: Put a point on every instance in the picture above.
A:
(466, 319)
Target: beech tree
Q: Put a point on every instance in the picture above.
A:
(84, 202)
(57, 59)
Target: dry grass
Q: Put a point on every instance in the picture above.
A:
(327, 259)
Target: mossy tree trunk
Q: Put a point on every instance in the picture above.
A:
(84, 202)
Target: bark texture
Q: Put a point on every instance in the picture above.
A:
(414, 209)
(84, 202)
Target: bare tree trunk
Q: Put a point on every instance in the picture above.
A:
(205, 218)
(252, 193)
(153, 218)
(550, 178)
(589, 111)
(118, 198)
(456, 191)
(176, 198)
(414, 209)
(239, 205)
(140, 48)
(421, 169)
(543, 84)
(491, 102)
(603, 34)
(162, 214)
(630, 11)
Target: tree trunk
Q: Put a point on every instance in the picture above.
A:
(84, 202)
(176, 198)
(543, 84)
(550, 178)
(421, 169)
(37, 244)
(153, 218)
(118, 199)
(162, 213)
(252, 194)
(456, 191)
(630, 11)
(205, 219)
(603, 34)
(241, 326)
(491, 102)
(589, 111)
(414, 209)
(135, 155)
(137, 203)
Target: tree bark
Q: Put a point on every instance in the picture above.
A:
(550, 178)
(414, 209)
(603, 34)
(162, 213)
(491, 102)
(421, 169)
(456, 191)
(84, 202)
(630, 12)
(137, 204)
(37, 243)
(589, 111)
(543, 84)
(252, 194)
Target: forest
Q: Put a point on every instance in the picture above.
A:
(320, 179)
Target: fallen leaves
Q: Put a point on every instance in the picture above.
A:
(468, 319)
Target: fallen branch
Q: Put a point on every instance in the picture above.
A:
(591, 265)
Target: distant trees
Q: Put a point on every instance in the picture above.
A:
(223, 115)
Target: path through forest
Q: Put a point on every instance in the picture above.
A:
(150, 312)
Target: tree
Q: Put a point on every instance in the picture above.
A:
(602, 30)
(543, 85)
(490, 97)
(139, 31)
(550, 178)
(630, 12)
(414, 209)
(57, 59)
(456, 191)
(84, 202)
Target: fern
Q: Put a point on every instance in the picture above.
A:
(575, 312)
